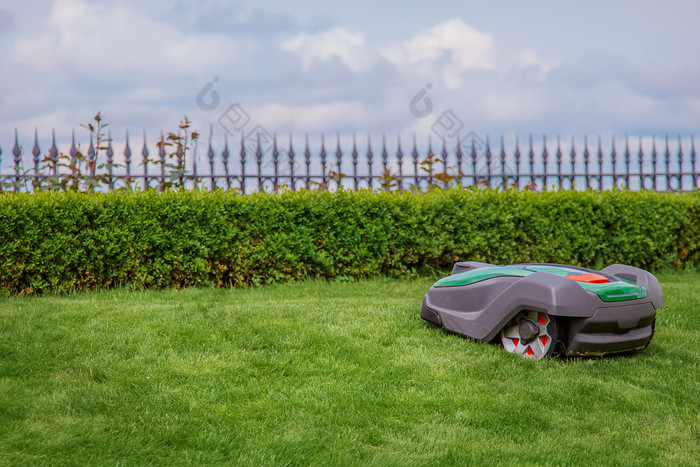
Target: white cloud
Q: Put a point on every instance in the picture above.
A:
(314, 118)
(470, 49)
(102, 39)
(345, 45)
(526, 66)
(448, 49)
(67, 59)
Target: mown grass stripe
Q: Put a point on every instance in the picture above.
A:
(327, 373)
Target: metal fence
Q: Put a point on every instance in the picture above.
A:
(253, 163)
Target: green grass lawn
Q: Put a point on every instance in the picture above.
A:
(319, 373)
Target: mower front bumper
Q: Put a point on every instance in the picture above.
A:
(612, 329)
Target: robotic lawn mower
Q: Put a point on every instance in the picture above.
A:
(537, 310)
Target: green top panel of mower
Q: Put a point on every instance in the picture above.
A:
(608, 288)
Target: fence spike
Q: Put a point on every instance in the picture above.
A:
(292, 163)
(558, 156)
(209, 155)
(586, 161)
(144, 162)
(517, 156)
(414, 157)
(667, 161)
(181, 162)
(545, 159)
(399, 161)
(35, 150)
(242, 152)
(679, 159)
(161, 158)
(210, 159)
(693, 155)
(54, 148)
(17, 159)
(110, 151)
(613, 157)
(678, 173)
(399, 151)
(144, 150)
(414, 153)
(489, 157)
(243, 161)
(275, 160)
(502, 157)
(110, 161)
(370, 160)
(627, 156)
(443, 154)
(572, 157)
(225, 155)
(338, 156)
(545, 153)
(91, 149)
(73, 151)
(654, 159)
(474, 161)
(531, 161)
(460, 156)
(127, 158)
(53, 152)
(195, 156)
(640, 160)
(258, 161)
(600, 163)
(385, 154)
(16, 151)
(559, 153)
(258, 149)
(680, 156)
(323, 159)
(307, 161)
(355, 156)
(323, 151)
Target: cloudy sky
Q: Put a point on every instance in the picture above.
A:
(507, 67)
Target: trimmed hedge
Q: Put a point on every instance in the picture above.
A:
(68, 241)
